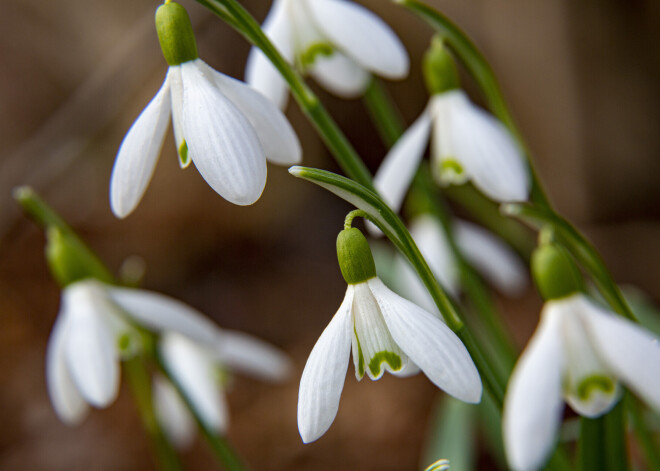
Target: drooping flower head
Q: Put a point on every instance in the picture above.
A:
(385, 333)
(337, 42)
(580, 353)
(224, 127)
(467, 143)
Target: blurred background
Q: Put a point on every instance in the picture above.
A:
(581, 79)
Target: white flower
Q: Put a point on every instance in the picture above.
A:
(385, 332)
(466, 144)
(222, 125)
(93, 332)
(338, 42)
(198, 369)
(495, 261)
(579, 352)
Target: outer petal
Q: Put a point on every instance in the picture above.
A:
(340, 75)
(323, 377)
(222, 143)
(533, 403)
(488, 152)
(193, 369)
(276, 135)
(90, 350)
(69, 405)
(162, 313)
(172, 413)
(139, 153)
(631, 352)
(494, 259)
(361, 35)
(253, 356)
(259, 72)
(400, 164)
(430, 344)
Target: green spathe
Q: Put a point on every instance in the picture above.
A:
(175, 34)
(555, 273)
(354, 255)
(439, 68)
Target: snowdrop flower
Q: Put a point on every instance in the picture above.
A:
(222, 125)
(578, 354)
(385, 333)
(493, 259)
(336, 41)
(467, 143)
(197, 368)
(94, 331)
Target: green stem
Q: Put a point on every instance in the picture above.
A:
(384, 115)
(646, 439)
(140, 384)
(339, 146)
(602, 442)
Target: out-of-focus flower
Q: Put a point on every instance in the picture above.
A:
(385, 333)
(222, 125)
(336, 41)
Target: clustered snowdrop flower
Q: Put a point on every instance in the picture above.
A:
(94, 331)
(493, 259)
(222, 125)
(385, 333)
(467, 143)
(578, 354)
(336, 41)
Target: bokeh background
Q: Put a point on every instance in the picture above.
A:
(582, 80)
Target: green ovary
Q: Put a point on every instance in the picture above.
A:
(390, 358)
(594, 383)
(308, 57)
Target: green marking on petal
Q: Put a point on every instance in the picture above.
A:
(360, 355)
(451, 169)
(124, 343)
(390, 358)
(593, 383)
(308, 57)
(184, 158)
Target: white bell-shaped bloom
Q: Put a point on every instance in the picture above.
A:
(176, 420)
(338, 42)
(493, 260)
(221, 124)
(579, 353)
(467, 143)
(386, 333)
(93, 332)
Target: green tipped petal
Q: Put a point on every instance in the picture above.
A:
(175, 34)
(354, 255)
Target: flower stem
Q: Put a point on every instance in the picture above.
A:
(383, 113)
(602, 442)
(356, 213)
(138, 379)
(646, 439)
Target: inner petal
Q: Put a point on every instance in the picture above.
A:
(376, 350)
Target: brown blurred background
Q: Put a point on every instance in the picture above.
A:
(581, 78)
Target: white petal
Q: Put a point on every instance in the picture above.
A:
(377, 349)
(407, 283)
(251, 355)
(631, 352)
(361, 35)
(90, 350)
(176, 95)
(276, 135)
(162, 313)
(533, 403)
(491, 257)
(396, 173)
(340, 75)
(139, 153)
(259, 71)
(488, 153)
(172, 413)
(221, 141)
(69, 405)
(192, 368)
(324, 374)
(430, 344)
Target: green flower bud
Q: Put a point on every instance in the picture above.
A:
(354, 255)
(555, 273)
(175, 34)
(70, 260)
(439, 68)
